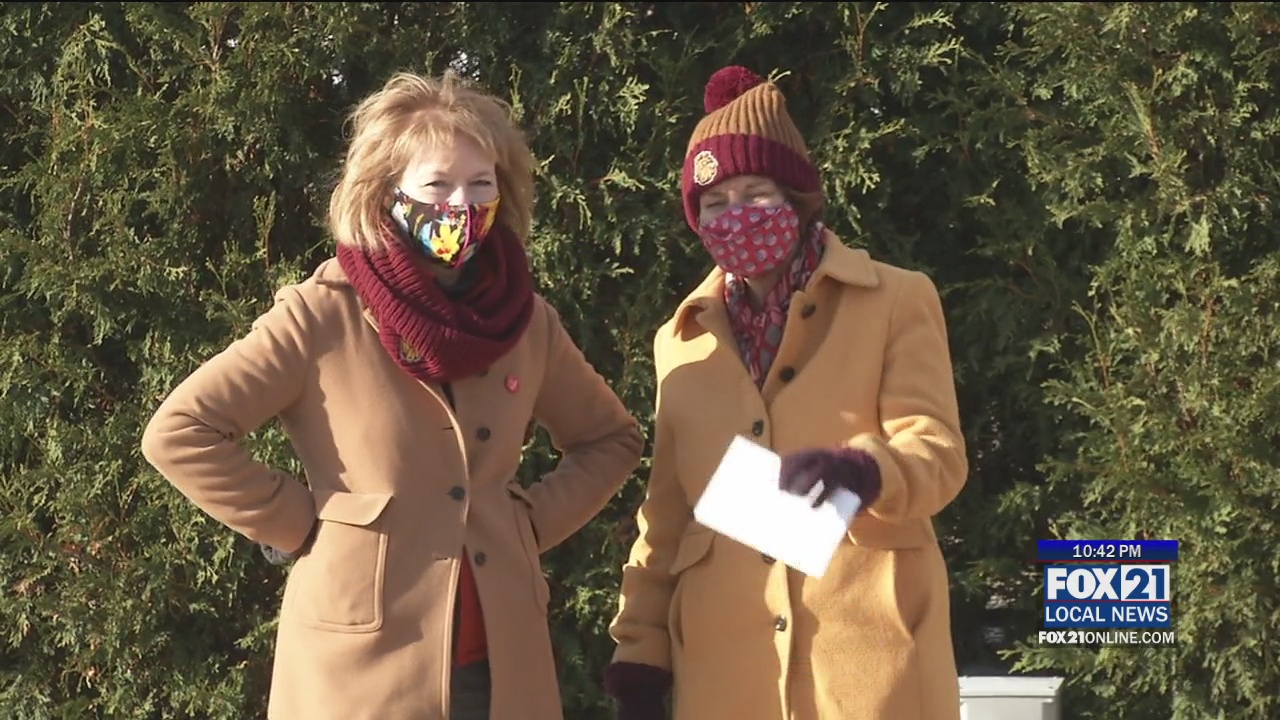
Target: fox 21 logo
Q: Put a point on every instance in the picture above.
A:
(1120, 583)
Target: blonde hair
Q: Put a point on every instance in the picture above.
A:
(392, 126)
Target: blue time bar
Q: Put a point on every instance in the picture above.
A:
(1128, 551)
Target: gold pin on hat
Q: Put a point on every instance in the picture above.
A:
(705, 168)
(408, 352)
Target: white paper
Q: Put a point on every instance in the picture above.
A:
(743, 501)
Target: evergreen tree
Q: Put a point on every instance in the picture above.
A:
(1092, 186)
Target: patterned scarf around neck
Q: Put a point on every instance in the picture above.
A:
(431, 335)
(758, 330)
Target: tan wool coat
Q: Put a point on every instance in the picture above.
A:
(402, 485)
(864, 362)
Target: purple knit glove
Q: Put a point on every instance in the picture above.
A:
(640, 690)
(853, 470)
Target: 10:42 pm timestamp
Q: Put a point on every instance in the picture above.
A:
(1106, 551)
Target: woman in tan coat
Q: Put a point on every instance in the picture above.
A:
(407, 371)
(838, 363)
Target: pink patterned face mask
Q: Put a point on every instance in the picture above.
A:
(752, 241)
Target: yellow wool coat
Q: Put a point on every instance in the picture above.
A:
(864, 362)
(402, 485)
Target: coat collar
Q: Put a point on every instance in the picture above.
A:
(840, 262)
(331, 274)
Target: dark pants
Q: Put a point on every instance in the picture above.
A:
(469, 692)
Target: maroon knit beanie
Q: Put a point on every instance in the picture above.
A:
(747, 131)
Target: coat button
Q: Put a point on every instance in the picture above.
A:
(457, 493)
(483, 433)
(481, 559)
(767, 559)
(807, 311)
(780, 624)
(757, 428)
(787, 374)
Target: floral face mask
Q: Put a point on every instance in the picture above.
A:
(448, 234)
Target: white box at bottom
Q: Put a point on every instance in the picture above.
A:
(1010, 698)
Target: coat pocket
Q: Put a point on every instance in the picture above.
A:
(529, 541)
(919, 588)
(870, 532)
(695, 545)
(337, 585)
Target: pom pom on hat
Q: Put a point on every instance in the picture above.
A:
(726, 85)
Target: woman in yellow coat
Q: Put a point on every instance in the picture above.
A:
(838, 363)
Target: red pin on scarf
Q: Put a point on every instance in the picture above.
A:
(513, 383)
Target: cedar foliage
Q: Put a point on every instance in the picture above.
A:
(1091, 185)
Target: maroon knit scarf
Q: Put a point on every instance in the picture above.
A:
(432, 336)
